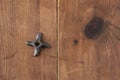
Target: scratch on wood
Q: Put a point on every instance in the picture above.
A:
(81, 62)
(9, 57)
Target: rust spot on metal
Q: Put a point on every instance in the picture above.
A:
(94, 28)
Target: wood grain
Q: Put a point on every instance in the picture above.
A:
(62, 23)
(20, 20)
(81, 58)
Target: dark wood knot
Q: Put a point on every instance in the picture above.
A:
(75, 42)
(94, 28)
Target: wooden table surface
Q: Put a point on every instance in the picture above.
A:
(73, 55)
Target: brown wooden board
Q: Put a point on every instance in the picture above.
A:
(21, 20)
(84, 36)
(82, 58)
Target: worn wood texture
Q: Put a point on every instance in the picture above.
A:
(20, 20)
(81, 58)
(62, 23)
